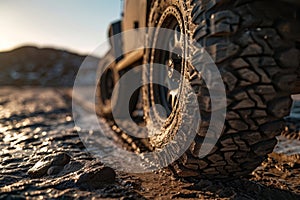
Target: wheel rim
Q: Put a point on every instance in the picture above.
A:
(168, 97)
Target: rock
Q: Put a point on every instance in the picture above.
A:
(96, 178)
(53, 170)
(73, 166)
(61, 159)
(39, 169)
(43, 166)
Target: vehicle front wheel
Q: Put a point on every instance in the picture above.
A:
(257, 60)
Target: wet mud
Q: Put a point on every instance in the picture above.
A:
(42, 156)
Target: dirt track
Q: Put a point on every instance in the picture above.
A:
(36, 123)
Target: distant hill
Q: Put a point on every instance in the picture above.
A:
(34, 66)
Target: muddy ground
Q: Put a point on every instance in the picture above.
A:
(36, 126)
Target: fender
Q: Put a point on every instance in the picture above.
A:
(133, 17)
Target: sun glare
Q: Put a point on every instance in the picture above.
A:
(5, 45)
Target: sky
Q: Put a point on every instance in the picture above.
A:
(75, 25)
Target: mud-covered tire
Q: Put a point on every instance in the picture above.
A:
(249, 42)
(106, 79)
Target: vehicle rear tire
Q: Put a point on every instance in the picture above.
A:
(105, 85)
(249, 42)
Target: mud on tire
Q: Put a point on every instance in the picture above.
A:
(249, 42)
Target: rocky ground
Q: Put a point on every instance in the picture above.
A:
(42, 156)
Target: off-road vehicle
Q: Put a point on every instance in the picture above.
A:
(254, 44)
